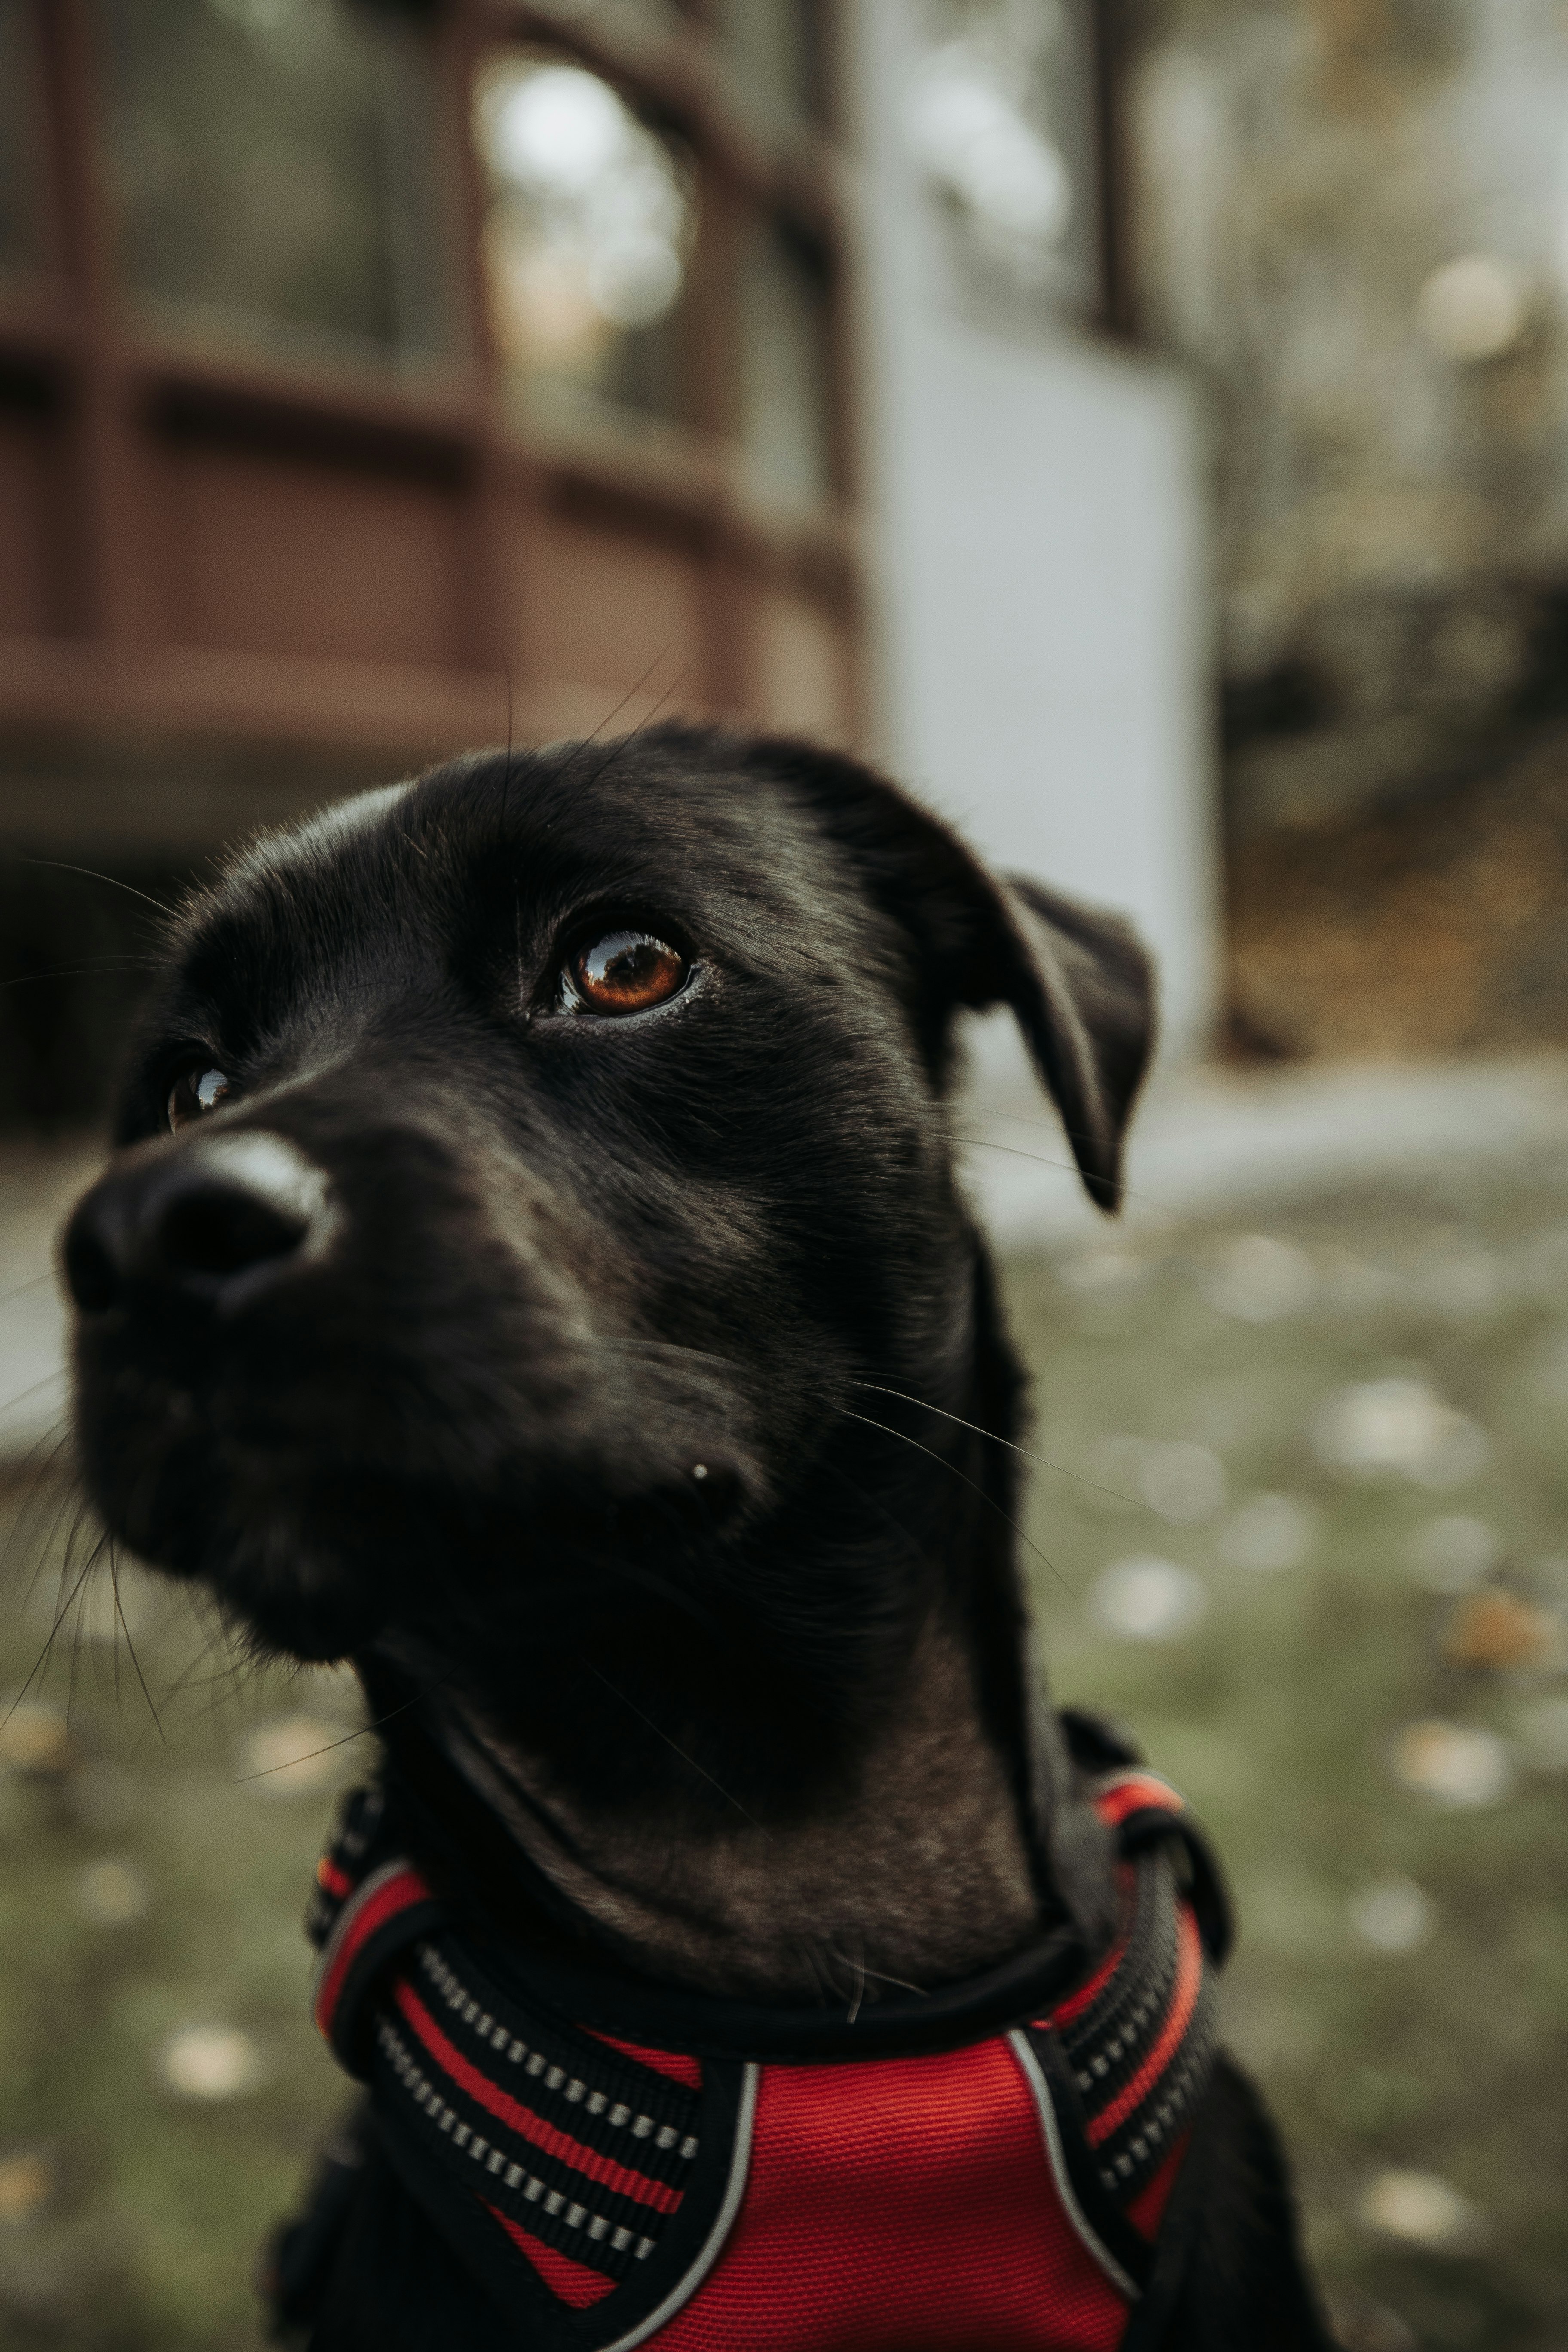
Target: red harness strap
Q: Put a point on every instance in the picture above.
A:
(1006, 2190)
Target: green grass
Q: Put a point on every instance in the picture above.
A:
(1276, 1714)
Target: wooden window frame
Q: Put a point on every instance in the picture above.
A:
(1116, 314)
(71, 346)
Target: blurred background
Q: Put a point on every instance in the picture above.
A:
(1143, 424)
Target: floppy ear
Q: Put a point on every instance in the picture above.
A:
(1082, 986)
(1078, 981)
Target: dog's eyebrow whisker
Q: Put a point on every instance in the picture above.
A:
(80, 971)
(1027, 1452)
(1070, 1168)
(990, 1499)
(675, 1745)
(619, 750)
(92, 874)
(611, 715)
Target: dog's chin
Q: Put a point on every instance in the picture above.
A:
(316, 1552)
(291, 1595)
(287, 1598)
(308, 1610)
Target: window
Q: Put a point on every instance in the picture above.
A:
(1003, 117)
(493, 348)
(786, 425)
(645, 278)
(271, 172)
(775, 49)
(21, 162)
(588, 244)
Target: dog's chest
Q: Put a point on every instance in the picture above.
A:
(907, 2204)
(628, 2195)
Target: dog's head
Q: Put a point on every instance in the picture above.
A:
(517, 1169)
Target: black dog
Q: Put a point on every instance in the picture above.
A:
(554, 1297)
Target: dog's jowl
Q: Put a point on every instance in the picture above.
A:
(532, 1268)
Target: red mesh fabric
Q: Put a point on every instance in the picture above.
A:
(574, 2283)
(904, 2205)
(1147, 2209)
(673, 2063)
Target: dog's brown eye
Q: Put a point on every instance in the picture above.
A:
(625, 972)
(195, 1093)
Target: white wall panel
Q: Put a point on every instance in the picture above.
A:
(1042, 625)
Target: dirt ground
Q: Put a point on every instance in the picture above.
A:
(1306, 1528)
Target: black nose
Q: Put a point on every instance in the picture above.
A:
(214, 1223)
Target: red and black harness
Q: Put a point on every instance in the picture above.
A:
(1002, 2162)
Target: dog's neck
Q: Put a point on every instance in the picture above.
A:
(896, 1807)
(915, 1871)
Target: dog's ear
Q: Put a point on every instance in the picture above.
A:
(1082, 986)
(1078, 981)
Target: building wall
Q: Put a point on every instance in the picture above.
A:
(1039, 553)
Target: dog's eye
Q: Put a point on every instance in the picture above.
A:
(195, 1092)
(624, 971)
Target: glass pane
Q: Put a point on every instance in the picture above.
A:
(21, 158)
(775, 51)
(649, 15)
(1001, 117)
(271, 164)
(785, 352)
(592, 221)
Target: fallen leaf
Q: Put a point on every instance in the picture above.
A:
(1498, 1629)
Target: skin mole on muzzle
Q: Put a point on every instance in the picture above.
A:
(532, 1268)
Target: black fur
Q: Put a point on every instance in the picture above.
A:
(566, 1261)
